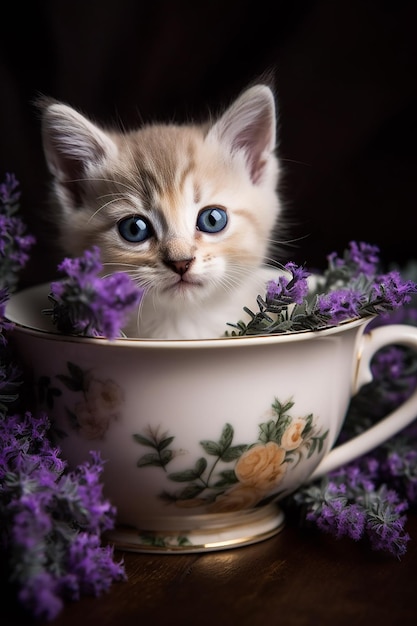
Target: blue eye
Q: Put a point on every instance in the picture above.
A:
(212, 220)
(135, 229)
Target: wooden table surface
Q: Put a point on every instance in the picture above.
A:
(297, 578)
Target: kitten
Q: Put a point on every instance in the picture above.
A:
(187, 211)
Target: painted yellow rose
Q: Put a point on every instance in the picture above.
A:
(104, 396)
(91, 424)
(237, 498)
(292, 436)
(102, 402)
(262, 466)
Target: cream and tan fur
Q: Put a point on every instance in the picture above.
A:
(202, 199)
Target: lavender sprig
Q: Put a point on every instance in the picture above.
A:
(368, 499)
(349, 289)
(15, 244)
(350, 502)
(51, 519)
(84, 303)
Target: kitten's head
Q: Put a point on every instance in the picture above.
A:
(187, 210)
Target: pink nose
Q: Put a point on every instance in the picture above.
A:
(179, 267)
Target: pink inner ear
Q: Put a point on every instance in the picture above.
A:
(70, 155)
(68, 167)
(249, 126)
(72, 142)
(257, 141)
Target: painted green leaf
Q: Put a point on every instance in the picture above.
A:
(217, 449)
(164, 443)
(321, 440)
(227, 478)
(226, 437)
(184, 476)
(143, 440)
(309, 425)
(190, 491)
(150, 540)
(211, 447)
(233, 453)
(281, 408)
(200, 466)
(267, 431)
(312, 447)
(166, 456)
(183, 541)
(76, 372)
(149, 459)
(281, 427)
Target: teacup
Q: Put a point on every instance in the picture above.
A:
(203, 438)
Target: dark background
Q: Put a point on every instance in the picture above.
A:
(346, 82)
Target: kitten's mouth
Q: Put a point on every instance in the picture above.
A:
(183, 284)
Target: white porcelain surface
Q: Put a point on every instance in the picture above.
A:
(194, 441)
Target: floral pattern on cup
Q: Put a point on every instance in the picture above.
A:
(158, 540)
(257, 468)
(100, 403)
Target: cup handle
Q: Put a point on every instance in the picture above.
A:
(370, 343)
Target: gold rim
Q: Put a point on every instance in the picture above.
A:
(169, 542)
(205, 547)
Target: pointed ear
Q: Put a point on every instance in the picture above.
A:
(249, 125)
(72, 144)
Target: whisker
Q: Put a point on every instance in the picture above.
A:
(120, 263)
(287, 160)
(103, 206)
(287, 242)
(101, 179)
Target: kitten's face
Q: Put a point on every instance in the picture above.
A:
(187, 211)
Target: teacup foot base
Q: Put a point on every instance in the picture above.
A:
(268, 522)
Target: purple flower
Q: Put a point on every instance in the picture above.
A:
(15, 244)
(360, 258)
(52, 519)
(40, 596)
(389, 362)
(93, 565)
(365, 256)
(385, 522)
(342, 520)
(9, 190)
(348, 289)
(31, 522)
(83, 269)
(289, 290)
(353, 501)
(394, 291)
(340, 305)
(88, 496)
(401, 466)
(84, 303)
